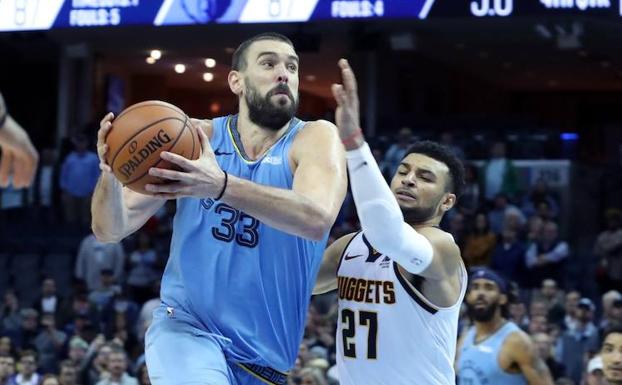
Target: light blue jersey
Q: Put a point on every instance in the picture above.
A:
(478, 363)
(239, 278)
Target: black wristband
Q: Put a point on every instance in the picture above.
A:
(224, 187)
(3, 119)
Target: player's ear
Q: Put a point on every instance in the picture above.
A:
(236, 82)
(448, 202)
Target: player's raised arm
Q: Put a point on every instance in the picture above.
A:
(381, 217)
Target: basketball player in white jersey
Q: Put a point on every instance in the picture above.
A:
(19, 157)
(401, 279)
(495, 350)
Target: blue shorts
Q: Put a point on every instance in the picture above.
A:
(178, 352)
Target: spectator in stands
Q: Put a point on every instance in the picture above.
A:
(518, 314)
(571, 304)
(9, 367)
(498, 173)
(98, 369)
(545, 258)
(143, 269)
(50, 343)
(50, 301)
(396, 151)
(480, 243)
(46, 187)
(612, 309)
(470, 200)
(117, 366)
(27, 369)
(540, 193)
(538, 324)
(457, 228)
(535, 225)
(608, 249)
(107, 289)
(312, 376)
(9, 311)
(6, 346)
(24, 338)
(145, 316)
(68, 374)
(4, 371)
(594, 374)
(544, 346)
(79, 315)
(78, 177)
(502, 208)
(50, 379)
(447, 139)
(611, 354)
(508, 257)
(95, 256)
(78, 359)
(577, 343)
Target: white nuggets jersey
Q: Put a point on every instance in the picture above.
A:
(387, 332)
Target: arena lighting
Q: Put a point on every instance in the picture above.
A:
(569, 136)
(156, 54)
(210, 63)
(180, 68)
(150, 60)
(208, 76)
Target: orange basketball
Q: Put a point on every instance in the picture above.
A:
(140, 133)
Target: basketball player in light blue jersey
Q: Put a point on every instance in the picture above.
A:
(253, 216)
(495, 350)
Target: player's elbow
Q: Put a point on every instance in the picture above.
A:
(317, 228)
(104, 236)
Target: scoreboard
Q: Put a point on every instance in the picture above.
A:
(17, 15)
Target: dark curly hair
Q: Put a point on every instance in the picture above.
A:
(445, 155)
(239, 63)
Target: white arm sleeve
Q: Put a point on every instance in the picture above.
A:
(381, 217)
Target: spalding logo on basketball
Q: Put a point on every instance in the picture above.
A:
(138, 136)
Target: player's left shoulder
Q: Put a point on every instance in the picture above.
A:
(318, 129)
(442, 242)
(519, 344)
(317, 136)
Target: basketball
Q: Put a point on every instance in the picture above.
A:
(140, 133)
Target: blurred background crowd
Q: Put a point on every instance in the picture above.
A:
(75, 310)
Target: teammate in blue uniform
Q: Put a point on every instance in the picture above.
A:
(253, 215)
(495, 350)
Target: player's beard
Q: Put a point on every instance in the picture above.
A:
(482, 315)
(263, 112)
(414, 215)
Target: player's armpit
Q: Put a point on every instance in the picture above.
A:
(327, 276)
(531, 365)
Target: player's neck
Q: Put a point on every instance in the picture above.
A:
(256, 139)
(485, 329)
(432, 222)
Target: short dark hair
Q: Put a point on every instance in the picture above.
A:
(613, 328)
(28, 353)
(239, 63)
(444, 155)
